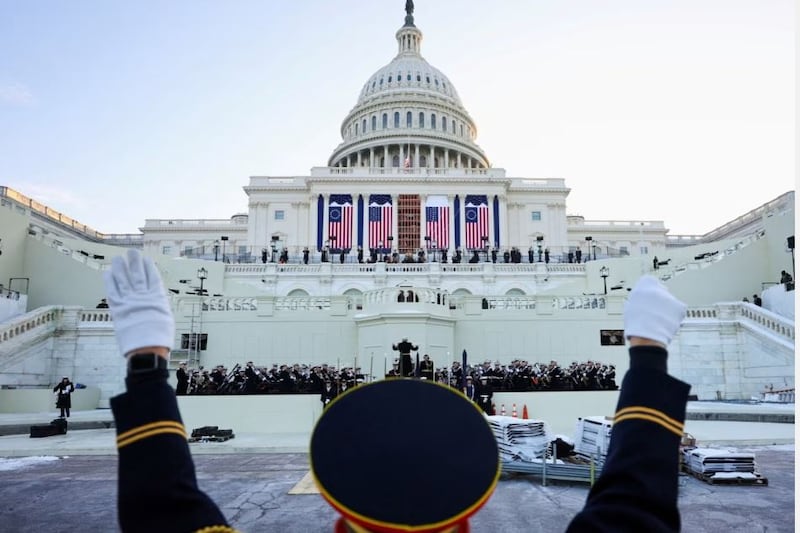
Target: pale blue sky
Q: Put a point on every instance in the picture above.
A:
(674, 110)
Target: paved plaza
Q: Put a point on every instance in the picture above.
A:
(78, 493)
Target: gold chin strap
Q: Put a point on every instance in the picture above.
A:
(355, 528)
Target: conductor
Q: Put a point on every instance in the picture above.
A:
(405, 347)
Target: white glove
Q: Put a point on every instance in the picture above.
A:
(138, 303)
(652, 312)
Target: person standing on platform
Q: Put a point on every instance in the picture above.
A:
(183, 380)
(305, 255)
(655, 262)
(426, 368)
(757, 300)
(64, 392)
(485, 394)
(578, 255)
(405, 348)
(329, 392)
(469, 390)
(547, 255)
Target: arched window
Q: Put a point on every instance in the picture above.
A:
(396, 119)
(444, 124)
(422, 120)
(408, 77)
(428, 79)
(356, 128)
(419, 78)
(381, 83)
(390, 79)
(453, 123)
(408, 119)
(433, 121)
(385, 121)
(423, 161)
(395, 160)
(462, 129)
(375, 124)
(364, 126)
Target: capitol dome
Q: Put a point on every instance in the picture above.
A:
(409, 115)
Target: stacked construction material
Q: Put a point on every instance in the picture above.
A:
(521, 439)
(711, 461)
(211, 434)
(592, 436)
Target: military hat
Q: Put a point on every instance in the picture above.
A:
(364, 456)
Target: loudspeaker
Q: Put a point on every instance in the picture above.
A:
(47, 430)
(61, 425)
(790, 242)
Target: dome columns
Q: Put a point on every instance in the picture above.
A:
(421, 155)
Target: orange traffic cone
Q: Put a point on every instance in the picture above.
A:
(525, 411)
(502, 409)
(514, 411)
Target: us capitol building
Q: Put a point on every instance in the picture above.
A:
(409, 204)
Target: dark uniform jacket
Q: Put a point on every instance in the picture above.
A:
(638, 488)
(157, 486)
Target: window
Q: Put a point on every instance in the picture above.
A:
(462, 129)
(396, 119)
(356, 128)
(280, 214)
(396, 161)
(166, 250)
(364, 126)
(189, 340)
(536, 216)
(390, 79)
(643, 250)
(428, 79)
(419, 78)
(374, 123)
(385, 121)
(453, 123)
(444, 124)
(187, 250)
(408, 119)
(422, 120)
(433, 121)
(623, 250)
(408, 77)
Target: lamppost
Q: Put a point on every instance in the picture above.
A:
(202, 275)
(539, 244)
(428, 245)
(390, 238)
(224, 239)
(604, 274)
(216, 250)
(433, 244)
(274, 248)
(590, 243)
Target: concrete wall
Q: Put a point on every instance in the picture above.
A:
(270, 414)
(43, 400)
(13, 235)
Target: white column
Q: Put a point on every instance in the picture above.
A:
(446, 158)
(386, 162)
(395, 216)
